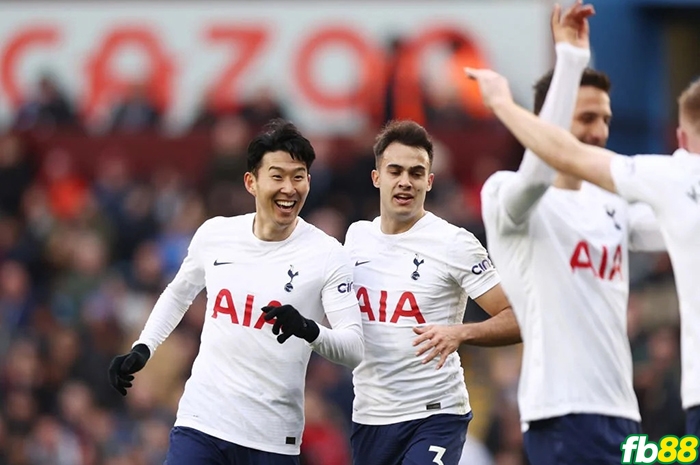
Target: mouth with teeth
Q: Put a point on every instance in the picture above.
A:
(403, 199)
(286, 206)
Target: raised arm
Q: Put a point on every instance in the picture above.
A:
(555, 146)
(522, 192)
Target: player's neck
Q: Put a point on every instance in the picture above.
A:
(393, 225)
(268, 231)
(565, 181)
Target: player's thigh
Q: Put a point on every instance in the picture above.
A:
(438, 440)
(189, 446)
(579, 439)
(692, 421)
(379, 444)
(240, 455)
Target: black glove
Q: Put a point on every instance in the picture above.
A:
(290, 321)
(123, 367)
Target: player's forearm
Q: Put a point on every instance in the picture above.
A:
(535, 176)
(499, 330)
(167, 313)
(559, 105)
(555, 146)
(344, 343)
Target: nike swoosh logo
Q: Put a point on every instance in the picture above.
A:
(217, 263)
(358, 263)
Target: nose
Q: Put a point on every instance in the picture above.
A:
(287, 187)
(404, 180)
(599, 132)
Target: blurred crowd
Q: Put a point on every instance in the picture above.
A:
(85, 254)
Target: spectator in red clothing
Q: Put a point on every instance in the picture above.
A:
(66, 188)
(323, 443)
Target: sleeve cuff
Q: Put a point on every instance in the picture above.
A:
(322, 330)
(150, 346)
(573, 55)
(493, 281)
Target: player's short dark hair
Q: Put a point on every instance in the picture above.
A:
(404, 132)
(689, 103)
(279, 135)
(590, 77)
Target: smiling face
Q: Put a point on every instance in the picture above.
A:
(280, 186)
(403, 178)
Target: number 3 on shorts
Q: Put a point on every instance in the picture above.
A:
(439, 452)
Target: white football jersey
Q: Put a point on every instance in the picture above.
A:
(420, 277)
(245, 387)
(671, 185)
(565, 270)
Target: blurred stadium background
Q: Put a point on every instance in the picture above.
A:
(123, 125)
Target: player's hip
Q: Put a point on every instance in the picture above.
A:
(189, 445)
(245, 424)
(387, 414)
(541, 410)
(578, 439)
(438, 436)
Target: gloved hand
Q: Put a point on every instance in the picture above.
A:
(123, 367)
(291, 323)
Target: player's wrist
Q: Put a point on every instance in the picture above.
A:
(568, 52)
(501, 106)
(311, 332)
(142, 350)
(466, 333)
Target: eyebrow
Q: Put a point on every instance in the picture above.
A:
(410, 168)
(296, 170)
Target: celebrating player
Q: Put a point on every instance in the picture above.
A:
(243, 404)
(413, 268)
(670, 184)
(561, 246)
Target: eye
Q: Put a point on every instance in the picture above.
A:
(299, 178)
(276, 176)
(587, 118)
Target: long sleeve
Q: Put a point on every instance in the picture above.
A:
(344, 342)
(174, 301)
(521, 192)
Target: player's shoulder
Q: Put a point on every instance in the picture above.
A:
(454, 235)
(495, 181)
(679, 163)
(321, 240)
(359, 229)
(226, 223)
